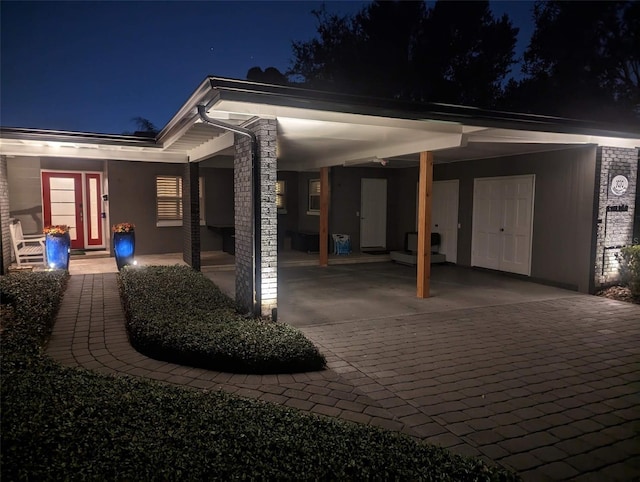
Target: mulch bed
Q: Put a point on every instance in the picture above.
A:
(620, 293)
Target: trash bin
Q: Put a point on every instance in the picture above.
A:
(341, 244)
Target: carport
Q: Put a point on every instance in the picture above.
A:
(309, 295)
(305, 131)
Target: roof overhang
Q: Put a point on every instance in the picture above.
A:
(317, 129)
(78, 145)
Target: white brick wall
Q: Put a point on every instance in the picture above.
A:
(4, 216)
(266, 132)
(615, 227)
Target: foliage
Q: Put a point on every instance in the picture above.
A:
(178, 315)
(630, 268)
(583, 60)
(145, 128)
(454, 52)
(29, 303)
(56, 230)
(123, 228)
(270, 75)
(66, 423)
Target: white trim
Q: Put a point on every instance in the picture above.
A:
(166, 224)
(88, 151)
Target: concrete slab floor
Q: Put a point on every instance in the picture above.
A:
(311, 295)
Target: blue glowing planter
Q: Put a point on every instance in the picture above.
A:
(124, 247)
(57, 249)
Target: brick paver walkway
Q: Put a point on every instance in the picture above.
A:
(548, 388)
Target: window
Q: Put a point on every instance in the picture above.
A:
(314, 196)
(169, 200)
(281, 197)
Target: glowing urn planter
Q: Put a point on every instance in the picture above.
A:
(124, 244)
(57, 246)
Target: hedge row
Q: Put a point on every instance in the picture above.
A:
(65, 423)
(178, 315)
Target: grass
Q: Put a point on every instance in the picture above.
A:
(178, 315)
(66, 423)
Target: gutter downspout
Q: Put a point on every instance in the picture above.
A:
(256, 194)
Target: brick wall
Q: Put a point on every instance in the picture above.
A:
(266, 133)
(5, 261)
(191, 216)
(616, 212)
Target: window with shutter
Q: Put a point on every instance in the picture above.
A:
(314, 196)
(169, 200)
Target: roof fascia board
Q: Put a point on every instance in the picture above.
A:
(43, 135)
(257, 93)
(99, 152)
(186, 116)
(516, 136)
(279, 112)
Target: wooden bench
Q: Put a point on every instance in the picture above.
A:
(28, 249)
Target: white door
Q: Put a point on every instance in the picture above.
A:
(373, 214)
(444, 217)
(503, 223)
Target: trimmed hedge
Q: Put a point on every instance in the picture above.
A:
(178, 315)
(30, 301)
(66, 423)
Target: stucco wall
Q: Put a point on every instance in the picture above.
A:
(289, 221)
(25, 196)
(132, 198)
(563, 222)
(218, 201)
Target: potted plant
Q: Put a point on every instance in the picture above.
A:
(57, 246)
(124, 243)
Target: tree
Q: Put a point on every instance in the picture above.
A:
(583, 61)
(466, 53)
(270, 75)
(454, 52)
(144, 126)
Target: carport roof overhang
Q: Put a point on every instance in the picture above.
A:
(317, 129)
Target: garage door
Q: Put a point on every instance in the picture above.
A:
(503, 223)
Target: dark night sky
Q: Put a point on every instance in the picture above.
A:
(93, 66)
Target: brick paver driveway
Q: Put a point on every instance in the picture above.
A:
(546, 383)
(550, 389)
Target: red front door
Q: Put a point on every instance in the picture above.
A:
(62, 203)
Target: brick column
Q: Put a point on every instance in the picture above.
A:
(5, 260)
(615, 210)
(191, 216)
(256, 269)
